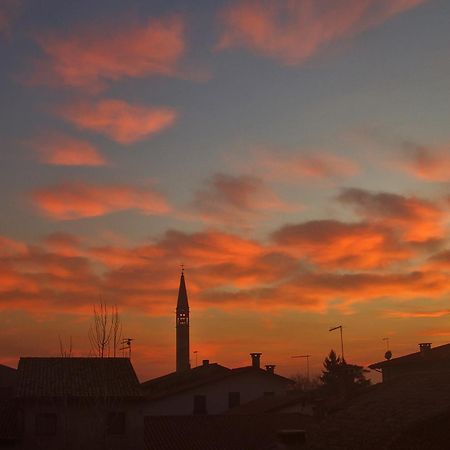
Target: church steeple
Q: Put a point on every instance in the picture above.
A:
(182, 325)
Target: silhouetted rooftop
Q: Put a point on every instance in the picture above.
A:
(383, 412)
(77, 377)
(218, 432)
(434, 354)
(176, 382)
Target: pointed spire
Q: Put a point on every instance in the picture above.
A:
(182, 303)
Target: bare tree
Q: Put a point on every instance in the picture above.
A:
(63, 351)
(105, 331)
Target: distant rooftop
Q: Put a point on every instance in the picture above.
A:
(175, 382)
(433, 354)
(77, 377)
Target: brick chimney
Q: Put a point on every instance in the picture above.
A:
(205, 363)
(270, 368)
(256, 360)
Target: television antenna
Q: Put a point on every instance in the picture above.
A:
(126, 345)
(388, 354)
(339, 327)
(307, 363)
(196, 357)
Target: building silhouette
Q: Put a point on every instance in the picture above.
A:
(182, 327)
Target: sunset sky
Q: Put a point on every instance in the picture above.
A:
(294, 155)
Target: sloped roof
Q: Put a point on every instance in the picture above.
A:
(176, 382)
(218, 432)
(77, 377)
(273, 403)
(377, 416)
(434, 354)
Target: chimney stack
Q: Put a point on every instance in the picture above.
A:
(205, 362)
(425, 348)
(270, 368)
(256, 360)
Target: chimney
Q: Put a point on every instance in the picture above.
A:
(425, 348)
(291, 439)
(256, 360)
(205, 363)
(270, 368)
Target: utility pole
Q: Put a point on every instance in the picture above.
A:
(339, 327)
(307, 363)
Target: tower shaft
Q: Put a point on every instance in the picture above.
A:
(182, 328)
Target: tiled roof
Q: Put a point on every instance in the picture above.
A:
(436, 354)
(218, 432)
(376, 417)
(9, 423)
(176, 382)
(77, 377)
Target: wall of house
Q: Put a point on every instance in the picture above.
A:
(251, 385)
(83, 427)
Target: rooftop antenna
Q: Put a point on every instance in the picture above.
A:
(196, 357)
(339, 327)
(307, 363)
(126, 345)
(388, 354)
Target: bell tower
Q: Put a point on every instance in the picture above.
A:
(182, 326)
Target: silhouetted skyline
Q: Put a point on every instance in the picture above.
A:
(294, 156)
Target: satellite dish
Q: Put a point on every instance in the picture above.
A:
(388, 355)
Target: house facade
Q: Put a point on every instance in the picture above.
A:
(76, 403)
(212, 389)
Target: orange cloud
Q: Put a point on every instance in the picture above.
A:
(119, 120)
(334, 244)
(229, 198)
(417, 219)
(92, 55)
(431, 164)
(417, 314)
(79, 200)
(294, 31)
(225, 271)
(61, 150)
(316, 290)
(306, 165)
(9, 10)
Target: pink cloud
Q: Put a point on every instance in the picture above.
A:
(294, 31)
(418, 219)
(428, 163)
(9, 10)
(61, 150)
(80, 200)
(296, 166)
(228, 198)
(119, 120)
(91, 55)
